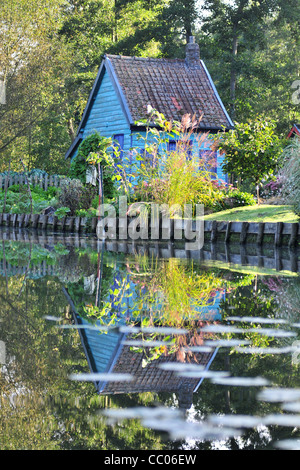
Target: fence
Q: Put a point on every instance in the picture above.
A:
(42, 180)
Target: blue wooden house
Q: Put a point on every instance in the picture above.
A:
(125, 86)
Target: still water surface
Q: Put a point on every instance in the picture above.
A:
(109, 350)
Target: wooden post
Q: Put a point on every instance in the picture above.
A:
(244, 230)
(278, 234)
(260, 233)
(26, 220)
(21, 220)
(94, 222)
(35, 220)
(214, 233)
(28, 185)
(294, 235)
(227, 233)
(14, 219)
(278, 261)
(77, 224)
(294, 261)
(43, 221)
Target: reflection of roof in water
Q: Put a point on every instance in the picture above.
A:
(150, 378)
(106, 353)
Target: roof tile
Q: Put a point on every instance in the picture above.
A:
(171, 87)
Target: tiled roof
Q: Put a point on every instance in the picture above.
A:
(171, 87)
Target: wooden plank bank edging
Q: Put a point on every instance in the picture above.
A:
(279, 233)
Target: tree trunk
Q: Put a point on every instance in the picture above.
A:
(71, 130)
(233, 71)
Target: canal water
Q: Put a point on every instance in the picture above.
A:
(116, 347)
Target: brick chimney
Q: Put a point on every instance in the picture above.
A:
(192, 53)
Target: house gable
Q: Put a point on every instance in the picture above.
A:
(125, 86)
(105, 111)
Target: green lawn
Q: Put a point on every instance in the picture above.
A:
(257, 213)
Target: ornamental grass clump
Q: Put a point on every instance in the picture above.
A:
(173, 176)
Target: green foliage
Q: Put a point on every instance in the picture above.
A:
(79, 164)
(233, 197)
(169, 177)
(92, 145)
(251, 150)
(91, 212)
(75, 195)
(62, 212)
(256, 75)
(18, 201)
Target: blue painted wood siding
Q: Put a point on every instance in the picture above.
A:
(198, 144)
(106, 115)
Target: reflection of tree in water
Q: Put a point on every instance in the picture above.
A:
(50, 412)
(40, 408)
(73, 266)
(286, 294)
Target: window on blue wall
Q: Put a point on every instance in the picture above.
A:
(172, 145)
(119, 142)
(208, 159)
(186, 147)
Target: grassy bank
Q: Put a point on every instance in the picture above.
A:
(257, 213)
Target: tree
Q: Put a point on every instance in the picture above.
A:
(235, 25)
(251, 150)
(34, 64)
(252, 52)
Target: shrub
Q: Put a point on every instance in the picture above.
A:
(272, 188)
(252, 150)
(79, 164)
(179, 178)
(19, 202)
(70, 194)
(62, 212)
(75, 195)
(233, 197)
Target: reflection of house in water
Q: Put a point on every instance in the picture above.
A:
(107, 353)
